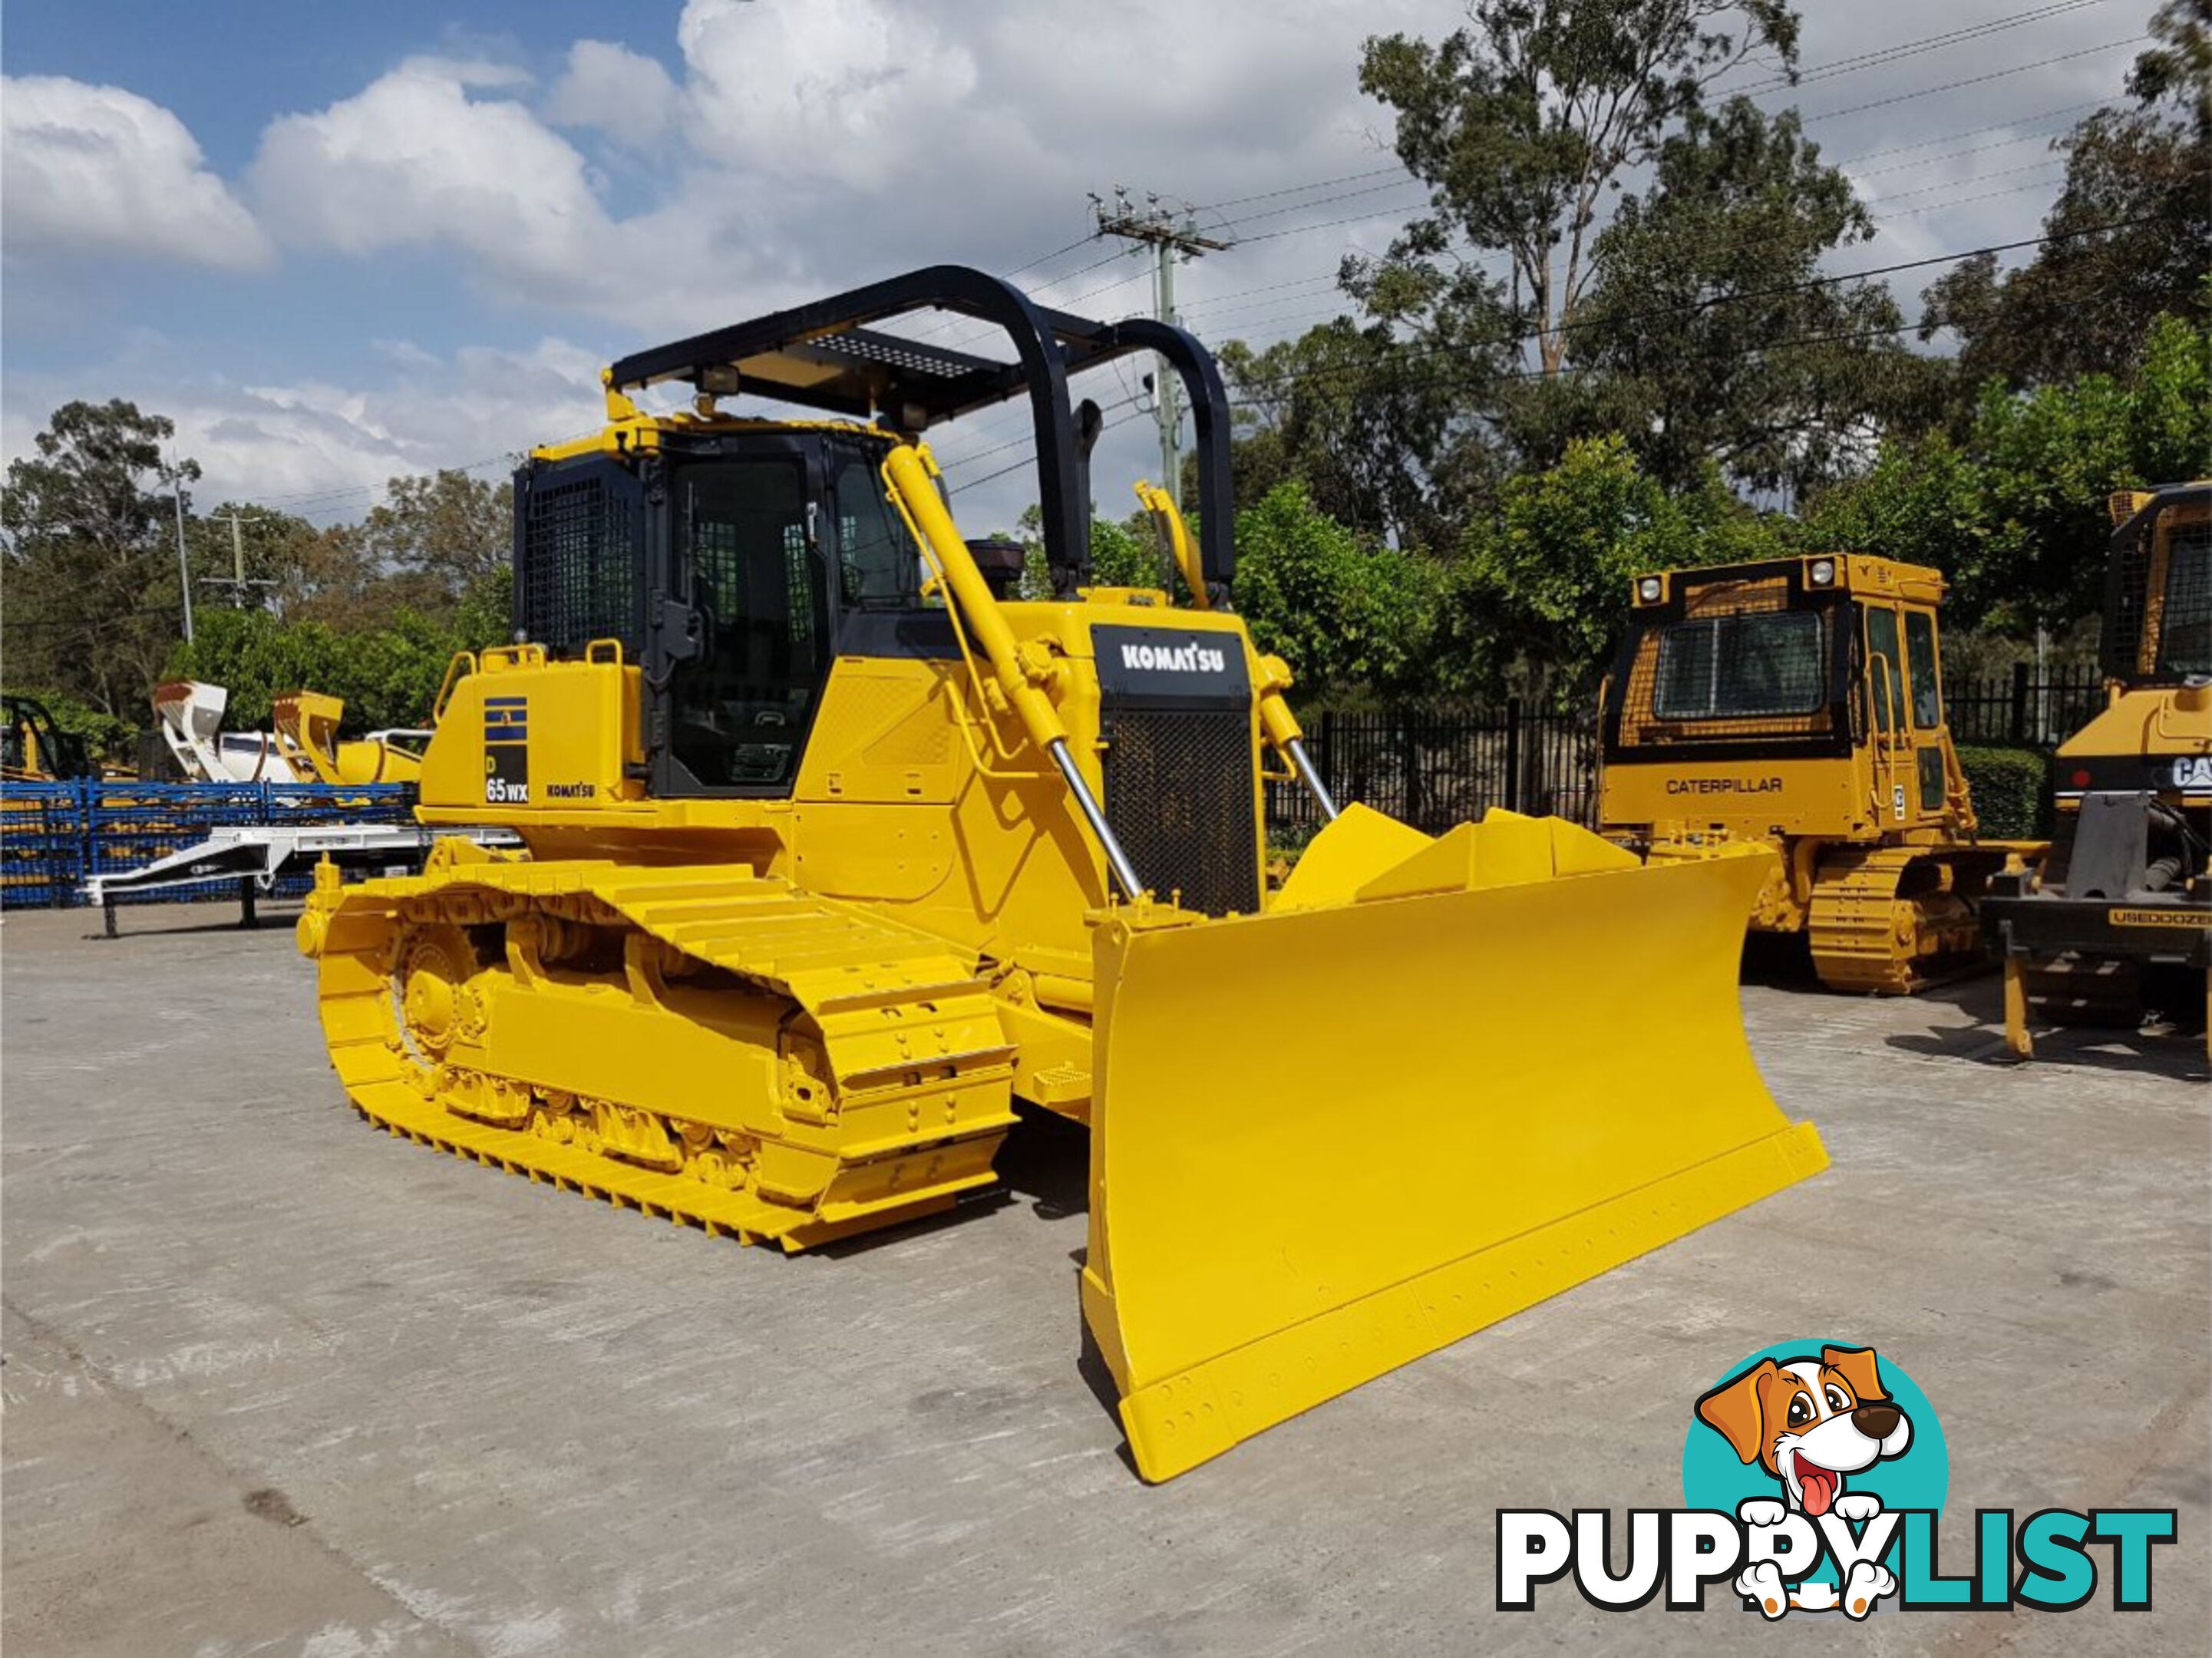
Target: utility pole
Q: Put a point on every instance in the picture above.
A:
(236, 580)
(1172, 231)
(184, 564)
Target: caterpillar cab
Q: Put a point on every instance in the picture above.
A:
(1798, 704)
(2117, 923)
(838, 854)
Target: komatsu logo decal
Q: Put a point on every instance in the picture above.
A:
(1170, 668)
(1184, 659)
(1723, 785)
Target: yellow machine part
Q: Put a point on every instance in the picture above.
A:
(306, 727)
(1416, 1130)
(688, 1042)
(1435, 1081)
(1881, 863)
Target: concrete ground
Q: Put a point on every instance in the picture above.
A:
(276, 1383)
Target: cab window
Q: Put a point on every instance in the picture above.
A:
(1752, 664)
(1920, 664)
(746, 559)
(878, 565)
(1884, 674)
(2185, 627)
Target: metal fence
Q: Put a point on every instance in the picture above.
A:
(1433, 769)
(2024, 709)
(52, 835)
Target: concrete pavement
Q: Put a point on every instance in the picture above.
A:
(276, 1383)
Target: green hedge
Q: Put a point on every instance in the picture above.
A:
(2010, 791)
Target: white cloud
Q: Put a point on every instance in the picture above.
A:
(801, 146)
(625, 96)
(414, 160)
(852, 90)
(97, 170)
(325, 450)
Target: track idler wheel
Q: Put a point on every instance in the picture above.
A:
(436, 1004)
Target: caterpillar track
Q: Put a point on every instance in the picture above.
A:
(1892, 921)
(559, 1021)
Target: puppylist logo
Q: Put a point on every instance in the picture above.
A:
(1814, 1474)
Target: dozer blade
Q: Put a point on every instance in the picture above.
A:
(1331, 1138)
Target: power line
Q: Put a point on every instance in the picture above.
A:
(1869, 60)
(1902, 213)
(1021, 438)
(1696, 307)
(1971, 132)
(1974, 80)
(1322, 201)
(1883, 56)
(1213, 310)
(988, 477)
(1214, 306)
(1293, 189)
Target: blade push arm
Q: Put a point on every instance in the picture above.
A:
(1281, 727)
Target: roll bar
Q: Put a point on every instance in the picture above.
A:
(826, 355)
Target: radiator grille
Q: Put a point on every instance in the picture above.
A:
(578, 575)
(1179, 793)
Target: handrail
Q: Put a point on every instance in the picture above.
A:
(1885, 733)
(445, 685)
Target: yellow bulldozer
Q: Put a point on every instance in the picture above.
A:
(1797, 703)
(838, 853)
(2117, 922)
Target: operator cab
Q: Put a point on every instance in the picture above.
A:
(2157, 609)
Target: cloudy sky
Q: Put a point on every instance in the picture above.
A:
(336, 242)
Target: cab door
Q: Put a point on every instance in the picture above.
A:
(746, 566)
(1889, 719)
(1930, 783)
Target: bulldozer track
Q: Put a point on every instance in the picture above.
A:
(1869, 933)
(830, 1072)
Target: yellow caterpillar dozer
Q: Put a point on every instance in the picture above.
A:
(1797, 703)
(837, 852)
(2117, 922)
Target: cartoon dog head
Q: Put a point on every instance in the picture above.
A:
(1809, 1422)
